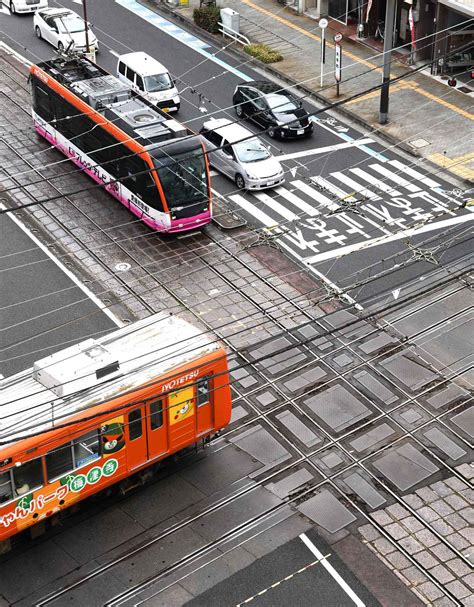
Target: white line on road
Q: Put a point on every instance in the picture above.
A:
(330, 569)
(114, 53)
(327, 148)
(359, 246)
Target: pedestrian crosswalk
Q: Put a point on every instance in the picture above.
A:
(351, 207)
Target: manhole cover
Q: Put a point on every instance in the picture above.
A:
(419, 143)
(122, 267)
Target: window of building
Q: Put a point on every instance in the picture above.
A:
(156, 414)
(59, 462)
(135, 424)
(27, 477)
(6, 493)
(202, 390)
(86, 448)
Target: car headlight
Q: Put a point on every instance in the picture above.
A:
(176, 99)
(285, 126)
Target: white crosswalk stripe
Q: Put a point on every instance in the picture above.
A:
(296, 200)
(315, 195)
(356, 187)
(276, 206)
(250, 208)
(397, 178)
(414, 174)
(380, 185)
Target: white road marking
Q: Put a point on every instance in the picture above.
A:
(375, 182)
(436, 225)
(276, 206)
(332, 572)
(297, 201)
(114, 53)
(247, 206)
(415, 174)
(68, 273)
(355, 186)
(397, 178)
(327, 148)
(315, 195)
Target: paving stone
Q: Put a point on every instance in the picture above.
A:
(456, 521)
(458, 541)
(398, 560)
(426, 559)
(468, 515)
(382, 517)
(468, 533)
(458, 567)
(441, 527)
(443, 601)
(441, 507)
(428, 514)
(443, 552)
(427, 494)
(441, 488)
(397, 511)
(469, 580)
(427, 538)
(369, 532)
(412, 524)
(396, 531)
(467, 470)
(442, 574)
(411, 545)
(414, 575)
(458, 589)
(455, 483)
(430, 591)
(414, 501)
(384, 546)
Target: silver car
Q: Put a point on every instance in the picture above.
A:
(239, 154)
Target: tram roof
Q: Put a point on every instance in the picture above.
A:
(140, 352)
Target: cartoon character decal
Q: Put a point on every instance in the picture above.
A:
(112, 436)
(181, 404)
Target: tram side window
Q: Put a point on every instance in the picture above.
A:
(135, 424)
(203, 391)
(156, 414)
(137, 177)
(59, 461)
(86, 448)
(42, 103)
(6, 493)
(27, 477)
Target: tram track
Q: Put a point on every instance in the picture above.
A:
(265, 415)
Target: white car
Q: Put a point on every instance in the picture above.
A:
(239, 154)
(64, 28)
(25, 6)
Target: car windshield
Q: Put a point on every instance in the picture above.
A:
(159, 82)
(71, 24)
(183, 179)
(282, 103)
(252, 150)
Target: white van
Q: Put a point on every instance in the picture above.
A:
(149, 77)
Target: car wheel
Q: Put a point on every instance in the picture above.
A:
(12, 7)
(272, 132)
(239, 111)
(60, 47)
(240, 181)
(38, 32)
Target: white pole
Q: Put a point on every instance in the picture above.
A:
(322, 57)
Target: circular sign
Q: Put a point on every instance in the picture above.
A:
(337, 37)
(323, 23)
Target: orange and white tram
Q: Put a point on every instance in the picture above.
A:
(95, 413)
(147, 160)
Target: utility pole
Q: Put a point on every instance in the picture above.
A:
(84, 8)
(387, 59)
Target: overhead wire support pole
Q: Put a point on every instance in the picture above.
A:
(387, 59)
(86, 28)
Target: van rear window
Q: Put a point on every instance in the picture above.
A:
(121, 68)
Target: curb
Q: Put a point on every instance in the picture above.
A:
(158, 5)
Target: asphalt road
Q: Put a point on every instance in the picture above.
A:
(42, 309)
(388, 198)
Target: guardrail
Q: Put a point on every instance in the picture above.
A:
(236, 36)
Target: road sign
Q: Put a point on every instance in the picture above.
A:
(337, 62)
(337, 37)
(323, 23)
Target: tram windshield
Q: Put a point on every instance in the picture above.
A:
(183, 178)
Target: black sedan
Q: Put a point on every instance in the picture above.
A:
(273, 108)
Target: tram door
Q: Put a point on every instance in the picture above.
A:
(136, 435)
(157, 429)
(204, 401)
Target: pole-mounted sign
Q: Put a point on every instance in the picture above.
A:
(337, 60)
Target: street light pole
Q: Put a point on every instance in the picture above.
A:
(387, 59)
(84, 8)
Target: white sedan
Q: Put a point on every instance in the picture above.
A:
(25, 6)
(64, 29)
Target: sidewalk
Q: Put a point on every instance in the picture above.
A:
(426, 117)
